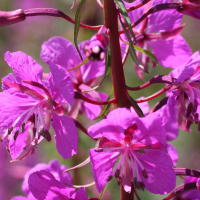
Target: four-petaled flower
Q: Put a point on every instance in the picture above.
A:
(30, 105)
(138, 146)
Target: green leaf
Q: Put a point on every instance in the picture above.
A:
(124, 13)
(148, 53)
(85, 61)
(108, 61)
(77, 24)
(106, 107)
(135, 106)
(131, 47)
(104, 189)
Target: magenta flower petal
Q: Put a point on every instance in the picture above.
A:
(174, 52)
(172, 151)
(58, 78)
(91, 110)
(54, 168)
(58, 50)
(24, 67)
(17, 146)
(43, 185)
(164, 20)
(8, 78)
(161, 176)
(66, 135)
(151, 130)
(12, 106)
(102, 164)
(81, 194)
(113, 127)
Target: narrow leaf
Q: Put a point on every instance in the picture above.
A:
(104, 189)
(85, 61)
(77, 24)
(135, 106)
(124, 13)
(131, 47)
(106, 107)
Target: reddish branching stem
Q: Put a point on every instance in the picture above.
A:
(82, 128)
(55, 13)
(154, 95)
(181, 189)
(154, 9)
(80, 96)
(187, 172)
(100, 4)
(138, 5)
(155, 79)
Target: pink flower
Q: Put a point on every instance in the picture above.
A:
(185, 92)
(58, 50)
(138, 146)
(29, 105)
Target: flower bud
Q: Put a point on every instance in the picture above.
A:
(95, 49)
(12, 17)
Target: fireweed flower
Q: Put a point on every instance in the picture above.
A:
(185, 92)
(139, 147)
(30, 105)
(58, 50)
(159, 31)
(54, 168)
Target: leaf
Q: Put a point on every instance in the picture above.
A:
(77, 24)
(104, 189)
(131, 47)
(151, 55)
(108, 61)
(124, 13)
(106, 107)
(135, 106)
(85, 61)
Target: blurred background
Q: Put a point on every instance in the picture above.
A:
(28, 37)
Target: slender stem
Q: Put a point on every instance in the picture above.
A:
(55, 13)
(100, 4)
(78, 95)
(138, 5)
(111, 22)
(154, 95)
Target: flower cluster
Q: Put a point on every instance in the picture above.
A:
(132, 139)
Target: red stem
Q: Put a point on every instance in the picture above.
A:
(118, 79)
(80, 96)
(154, 95)
(138, 5)
(111, 22)
(55, 13)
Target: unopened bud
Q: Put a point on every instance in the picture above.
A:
(12, 17)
